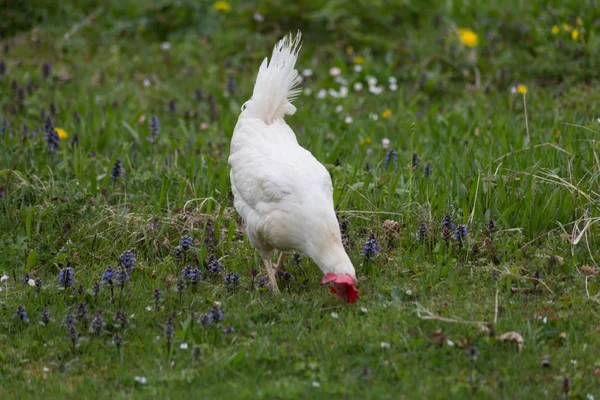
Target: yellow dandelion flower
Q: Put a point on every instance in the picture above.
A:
(468, 37)
(368, 140)
(575, 34)
(62, 134)
(579, 21)
(567, 27)
(222, 6)
(555, 29)
(362, 142)
(522, 89)
(386, 113)
(358, 60)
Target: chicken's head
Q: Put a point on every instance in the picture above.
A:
(344, 286)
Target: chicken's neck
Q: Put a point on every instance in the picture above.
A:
(334, 259)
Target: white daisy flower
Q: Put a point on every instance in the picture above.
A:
(165, 45)
(339, 109)
(348, 119)
(385, 143)
(307, 91)
(385, 345)
(343, 91)
(393, 87)
(376, 89)
(307, 72)
(141, 379)
(322, 94)
(335, 71)
(358, 86)
(358, 68)
(334, 315)
(371, 80)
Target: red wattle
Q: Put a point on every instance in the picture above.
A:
(350, 294)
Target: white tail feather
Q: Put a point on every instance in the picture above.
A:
(276, 83)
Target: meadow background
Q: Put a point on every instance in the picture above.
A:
(461, 139)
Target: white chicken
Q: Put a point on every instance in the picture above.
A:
(282, 192)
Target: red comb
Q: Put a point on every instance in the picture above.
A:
(344, 286)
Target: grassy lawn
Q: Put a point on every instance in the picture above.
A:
(471, 156)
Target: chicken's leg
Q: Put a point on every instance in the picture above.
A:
(280, 262)
(271, 275)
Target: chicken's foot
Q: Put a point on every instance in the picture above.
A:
(271, 275)
(280, 262)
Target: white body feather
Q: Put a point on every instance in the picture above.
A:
(283, 193)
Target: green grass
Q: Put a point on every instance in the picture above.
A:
(530, 163)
